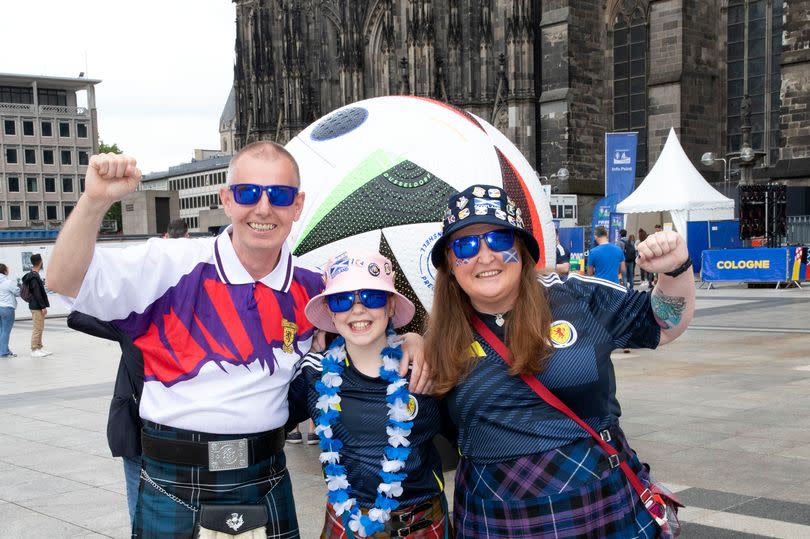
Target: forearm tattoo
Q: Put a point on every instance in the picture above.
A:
(667, 309)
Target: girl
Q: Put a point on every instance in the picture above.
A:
(381, 468)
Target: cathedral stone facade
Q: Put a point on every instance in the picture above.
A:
(553, 75)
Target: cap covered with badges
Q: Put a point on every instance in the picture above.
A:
(481, 204)
(358, 269)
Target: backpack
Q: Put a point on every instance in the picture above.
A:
(629, 251)
(25, 291)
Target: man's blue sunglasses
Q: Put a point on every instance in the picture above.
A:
(343, 301)
(248, 194)
(497, 240)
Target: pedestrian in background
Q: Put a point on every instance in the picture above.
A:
(9, 291)
(642, 273)
(38, 304)
(178, 228)
(606, 260)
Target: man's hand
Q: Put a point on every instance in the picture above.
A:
(110, 177)
(318, 341)
(44, 312)
(413, 357)
(662, 252)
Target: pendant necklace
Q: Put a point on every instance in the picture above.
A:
(499, 319)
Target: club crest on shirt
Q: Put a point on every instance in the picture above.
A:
(290, 329)
(413, 408)
(563, 334)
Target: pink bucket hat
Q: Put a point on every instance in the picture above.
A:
(358, 269)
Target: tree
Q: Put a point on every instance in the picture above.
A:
(114, 213)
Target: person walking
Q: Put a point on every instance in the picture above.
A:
(642, 273)
(38, 304)
(628, 247)
(9, 292)
(605, 261)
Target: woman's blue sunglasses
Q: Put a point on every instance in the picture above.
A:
(248, 194)
(343, 301)
(497, 240)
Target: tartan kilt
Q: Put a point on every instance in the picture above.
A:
(170, 495)
(333, 524)
(567, 492)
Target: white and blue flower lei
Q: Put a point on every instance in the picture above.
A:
(398, 427)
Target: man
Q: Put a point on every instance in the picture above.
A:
(563, 257)
(220, 324)
(38, 304)
(629, 250)
(178, 228)
(605, 260)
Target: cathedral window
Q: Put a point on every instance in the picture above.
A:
(630, 80)
(759, 76)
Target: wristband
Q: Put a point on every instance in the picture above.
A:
(680, 269)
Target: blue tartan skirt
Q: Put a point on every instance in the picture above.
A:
(567, 492)
(170, 495)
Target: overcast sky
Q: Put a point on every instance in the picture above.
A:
(166, 66)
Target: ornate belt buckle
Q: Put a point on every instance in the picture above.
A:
(228, 455)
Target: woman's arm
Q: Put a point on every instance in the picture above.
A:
(673, 299)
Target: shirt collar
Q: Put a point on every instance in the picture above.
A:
(231, 270)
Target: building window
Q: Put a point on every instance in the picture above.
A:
(83, 157)
(52, 97)
(68, 209)
(64, 129)
(1, 212)
(47, 157)
(11, 156)
(13, 184)
(33, 212)
(81, 130)
(66, 159)
(30, 156)
(81, 184)
(16, 94)
(31, 184)
(10, 127)
(50, 212)
(14, 212)
(763, 80)
(50, 184)
(67, 184)
(47, 129)
(28, 128)
(630, 81)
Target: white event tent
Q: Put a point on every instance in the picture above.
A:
(674, 185)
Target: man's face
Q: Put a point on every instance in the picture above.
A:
(261, 229)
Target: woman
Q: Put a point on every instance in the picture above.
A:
(630, 264)
(642, 275)
(527, 470)
(9, 292)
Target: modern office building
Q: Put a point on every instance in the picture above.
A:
(46, 140)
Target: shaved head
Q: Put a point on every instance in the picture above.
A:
(263, 149)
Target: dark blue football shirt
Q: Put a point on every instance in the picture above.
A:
(500, 418)
(361, 428)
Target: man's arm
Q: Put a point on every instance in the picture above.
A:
(565, 267)
(590, 270)
(673, 298)
(109, 178)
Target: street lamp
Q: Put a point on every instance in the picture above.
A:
(709, 159)
(561, 175)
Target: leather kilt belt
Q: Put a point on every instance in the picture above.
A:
(216, 455)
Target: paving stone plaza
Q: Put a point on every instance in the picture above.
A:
(722, 415)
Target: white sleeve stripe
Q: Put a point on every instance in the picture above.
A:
(597, 280)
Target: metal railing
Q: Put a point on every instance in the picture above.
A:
(798, 230)
(16, 107)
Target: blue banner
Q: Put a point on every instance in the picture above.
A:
(620, 164)
(616, 224)
(745, 265)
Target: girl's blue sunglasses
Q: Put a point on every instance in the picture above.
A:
(248, 194)
(343, 301)
(497, 240)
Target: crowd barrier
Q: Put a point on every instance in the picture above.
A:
(758, 265)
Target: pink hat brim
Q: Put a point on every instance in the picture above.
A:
(318, 313)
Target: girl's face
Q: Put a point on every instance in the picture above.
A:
(363, 327)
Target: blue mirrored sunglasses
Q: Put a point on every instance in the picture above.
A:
(343, 301)
(248, 194)
(497, 240)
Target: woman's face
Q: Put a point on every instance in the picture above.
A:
(490, 278)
